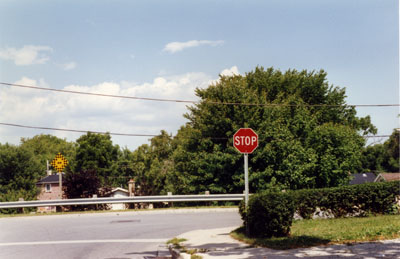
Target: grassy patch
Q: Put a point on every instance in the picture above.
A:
(307, 233)
(176, 243)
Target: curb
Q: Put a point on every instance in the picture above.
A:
(175, 253)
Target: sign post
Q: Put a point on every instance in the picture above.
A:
(246, 179)
(59, 163)
(245, 140)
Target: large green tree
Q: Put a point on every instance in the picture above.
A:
(391, 146)
(84, 184)
(22, 166)
(46, 147)
(19, 172)
(308, 136)
(382, 157)
(153, 166)
(96, 152)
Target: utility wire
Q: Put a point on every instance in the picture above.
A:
(196, 102)
(98, 94)
(129, 134)
(377, 136)
(79, 131)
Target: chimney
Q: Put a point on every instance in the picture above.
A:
(131, 187)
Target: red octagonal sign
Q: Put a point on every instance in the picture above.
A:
(245, 140)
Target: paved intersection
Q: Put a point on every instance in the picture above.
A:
(103, 235)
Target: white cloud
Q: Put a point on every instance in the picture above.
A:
(83, 112)
(27, 55)
(22, 105)
(177, 46)
(31, 82)
(230, 71)
(68, 66)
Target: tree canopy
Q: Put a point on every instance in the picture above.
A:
(382, 157)
(308, 136)
(96, 152)
(45, 148)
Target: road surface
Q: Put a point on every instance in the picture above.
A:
(105, 235)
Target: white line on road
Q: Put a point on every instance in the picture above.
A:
(85, 242)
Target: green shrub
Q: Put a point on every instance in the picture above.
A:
(364, 199)
(269, 214)
(242, 210)
(306, 202)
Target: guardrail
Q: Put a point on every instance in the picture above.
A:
(133, 199)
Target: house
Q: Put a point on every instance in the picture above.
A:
(49, 188)
(362, 178)
(120, 193)
(387, 177)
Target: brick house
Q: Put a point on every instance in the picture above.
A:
(387, 177)
(49, 188)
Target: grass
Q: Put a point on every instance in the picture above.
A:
(307, 233)
(176, 243)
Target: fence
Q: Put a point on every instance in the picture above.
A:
(134, 199)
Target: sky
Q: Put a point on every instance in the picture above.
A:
(167, 49)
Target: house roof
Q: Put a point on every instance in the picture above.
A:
(388, 177)
(119, 189)
(54, 178)
(362, 178)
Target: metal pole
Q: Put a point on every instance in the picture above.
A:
(246, 190)
(246, 179)
(60, 184)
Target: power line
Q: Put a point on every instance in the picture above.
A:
(377, 136)
(196, 102)
(78, 131)
(97, 94)
(128, 134)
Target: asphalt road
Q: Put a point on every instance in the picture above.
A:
(106, 235)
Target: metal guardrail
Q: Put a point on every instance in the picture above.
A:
(134, 199)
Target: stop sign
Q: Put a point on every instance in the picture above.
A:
(245, 140)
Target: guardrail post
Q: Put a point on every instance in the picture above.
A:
(170, 204)
(207, 193)
(22, 209)
(95, 197)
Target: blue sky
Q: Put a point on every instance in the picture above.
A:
(165, 49)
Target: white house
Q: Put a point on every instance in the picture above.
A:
(121, 193)
(118, 193)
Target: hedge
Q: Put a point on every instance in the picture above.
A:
(362, 199)
(271, 213)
